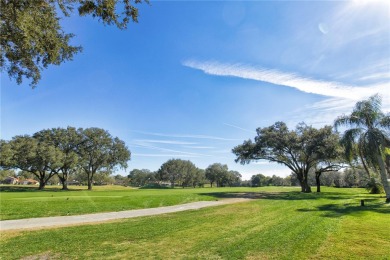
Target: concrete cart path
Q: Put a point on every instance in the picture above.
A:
(34, 223)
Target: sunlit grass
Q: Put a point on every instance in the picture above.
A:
(281, 224)
(17, 202)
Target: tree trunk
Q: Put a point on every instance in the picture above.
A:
(65, 185)
(90, 179)
(303, 182)
(364, 163)
(305, 187)
(384, 176)
(90, 182)
(308, 188)
(64, 182)
(318, 182)
(42, 184)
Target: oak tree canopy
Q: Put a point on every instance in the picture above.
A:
(32, 37)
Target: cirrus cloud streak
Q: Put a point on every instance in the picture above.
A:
(305, 84)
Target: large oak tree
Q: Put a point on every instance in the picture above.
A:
(32, 37)
(66, 141)
(100, 152)
(217, 173)
(32, 155)
(177, 171)
(300, 150)
(62, 152)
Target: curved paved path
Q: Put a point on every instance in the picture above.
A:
(34, 223)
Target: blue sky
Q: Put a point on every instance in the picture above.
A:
(194, 79)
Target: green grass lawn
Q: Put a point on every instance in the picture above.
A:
(17, 202)
(281, 224)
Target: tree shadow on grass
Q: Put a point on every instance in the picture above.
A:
(291, 195)
(31, 189)
(260, 195)
(354, 208)
(329, 210)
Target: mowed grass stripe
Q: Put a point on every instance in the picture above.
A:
(362, 235)
(21, 205)
(288, 225)
(30, 203)
(275, 233)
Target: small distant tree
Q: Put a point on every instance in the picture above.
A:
(294, 180)
(276, 181)
(287, 181)
(177, 171)
(190, 174)
(217, 172)
(100, 152)
(80, 177)
(103, 178)
(120, 180)
(259, 180)
(140, 178)
(199, 178)
(66, 141)
(31, 155)
(233, 178)
(5, 173)
(328, 178)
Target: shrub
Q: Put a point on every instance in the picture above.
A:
(375, 187)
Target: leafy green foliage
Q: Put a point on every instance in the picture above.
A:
(177, 171)
(29, 154)
(100, 152)
(63, 152)
(367, 138)
(32, 37)
(65, 140)
(141, 177)
(375, 187)
(300, 150)
(259, 180)
(219, 173)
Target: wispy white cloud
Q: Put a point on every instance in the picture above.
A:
(164, 142)
(190, 136)
(168, 150)
(243, 129)
(341, 97)
(179, 148)
(199, 147)
(355, 20)
(165, 155)
(305, 84)
(376, 76)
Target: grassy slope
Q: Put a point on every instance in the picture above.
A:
(18, 202)
(285, 225)
(54, 202)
